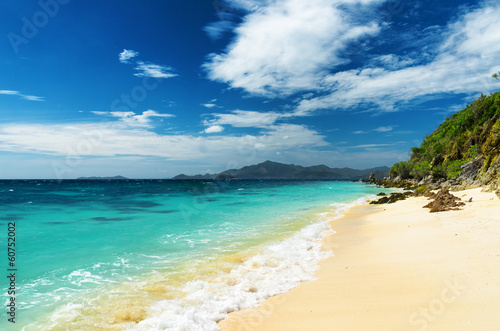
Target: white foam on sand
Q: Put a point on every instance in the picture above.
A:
(263, 272)
(276, 269)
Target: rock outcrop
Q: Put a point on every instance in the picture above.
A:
(485, 170)
(470, 170)
(444, 201)
(489, 177)
(392, 198)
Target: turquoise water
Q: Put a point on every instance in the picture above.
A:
(156, 255)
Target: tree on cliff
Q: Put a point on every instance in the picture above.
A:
(460, 139)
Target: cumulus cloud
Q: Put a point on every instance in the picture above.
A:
(285, 46)
(126, 55)
(23, 96)
(463, 63)
(153, 70)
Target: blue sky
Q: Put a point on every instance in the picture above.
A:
(153, 89)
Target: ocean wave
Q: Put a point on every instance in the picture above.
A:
(250, 277)
(277, 269)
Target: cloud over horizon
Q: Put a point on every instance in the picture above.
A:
(131, 135)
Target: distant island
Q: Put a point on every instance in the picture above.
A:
(275, 170)
(103, 178)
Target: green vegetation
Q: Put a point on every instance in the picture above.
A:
(471, 132)
(401, 169)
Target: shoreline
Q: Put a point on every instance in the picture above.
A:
(396, 267)
(254, 268)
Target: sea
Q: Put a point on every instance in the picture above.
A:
(160, 254)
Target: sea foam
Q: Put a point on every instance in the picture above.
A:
(276, 269)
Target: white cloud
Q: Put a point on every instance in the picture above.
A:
(393, 61)
(384, 129)
(286, 46)
(147, 69)
(153, 70)
(214, 129)
(32, 98)
(244, 119)
(9, 92)
(131, 119)
(379, 129)
(25, 97)
(210, 104)
(126, 55)
(464, 63)
(114, 139)
(130, 134)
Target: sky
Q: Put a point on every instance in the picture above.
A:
(152, 89)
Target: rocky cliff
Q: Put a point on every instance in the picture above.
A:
(463, 152)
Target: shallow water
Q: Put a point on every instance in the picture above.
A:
(152, 254)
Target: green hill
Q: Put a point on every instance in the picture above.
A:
(467, 144)
(275, 170)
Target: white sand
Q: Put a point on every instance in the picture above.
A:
(397, 267)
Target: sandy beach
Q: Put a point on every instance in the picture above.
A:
(397, 267)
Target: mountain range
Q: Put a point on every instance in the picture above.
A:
(275, 170)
